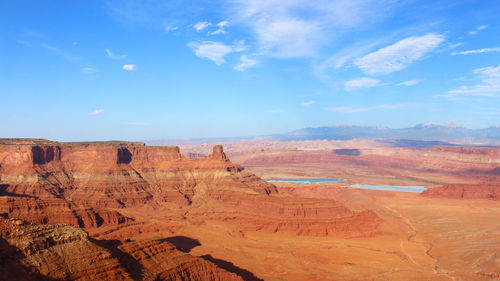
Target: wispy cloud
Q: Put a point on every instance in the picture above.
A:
(66, 55)
(477, 51)
(399, 55)
(170, 28)
(277, 110)
(89, 70)
(245, 63)
(489, 87)
(216, 51)
(343, 57)
(129, 67)
(199, 26)
(479, 28)
(113, 56)
(282, 31)
(409, 83)
(97, 111)
(354, 109)
(221, 30)
(308, 103)
(364, 82)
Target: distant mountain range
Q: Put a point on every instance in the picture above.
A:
(422, 135)
(421, 132)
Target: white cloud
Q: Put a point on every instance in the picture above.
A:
(409, 83)
(245, 63)
(288, 38)
(169, 28)
(129, 67)
(364, 82)
(308, 103)
(97, 111)
(489, 86)
(223, 24)
(354, 109)
(296, 28)
(89, 70)
(453, 46)
(201, 25)
(399, 55)
(481, 27)
(218, 31)
(221, 29)
(477, 51)
(113, 56)
(216, 51)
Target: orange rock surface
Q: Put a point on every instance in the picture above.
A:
(465, 191)
(48, 252)
(155, 213)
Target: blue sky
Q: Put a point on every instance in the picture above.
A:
(137, 70)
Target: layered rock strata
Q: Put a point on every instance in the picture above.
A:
(63, 252)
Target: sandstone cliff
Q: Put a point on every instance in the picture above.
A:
(63, 252)
(94, 185)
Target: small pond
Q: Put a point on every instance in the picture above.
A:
(306, 180)
(413, 189)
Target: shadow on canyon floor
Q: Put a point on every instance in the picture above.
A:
(182, 243)
(243, 273)
(126, 260)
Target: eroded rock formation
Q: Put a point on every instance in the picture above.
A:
(63, 252)
(94, 184)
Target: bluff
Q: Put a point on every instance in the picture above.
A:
(93, 185)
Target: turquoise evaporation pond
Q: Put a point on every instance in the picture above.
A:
(306, 181)
(413, 189)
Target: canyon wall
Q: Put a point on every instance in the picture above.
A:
(63, 252)
(94, 185)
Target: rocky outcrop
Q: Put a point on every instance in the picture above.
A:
(465, 191)
(63, 252)
(299, 216)
(93, 185)
(79, 184)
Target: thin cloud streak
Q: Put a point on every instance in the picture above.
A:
(113, 56)
(355, 109)
(399, 55)
(364, 82)
(129, 67)
(409, 83)
(477, 51)
(308, 103)
(489, 87)
(97, 111)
